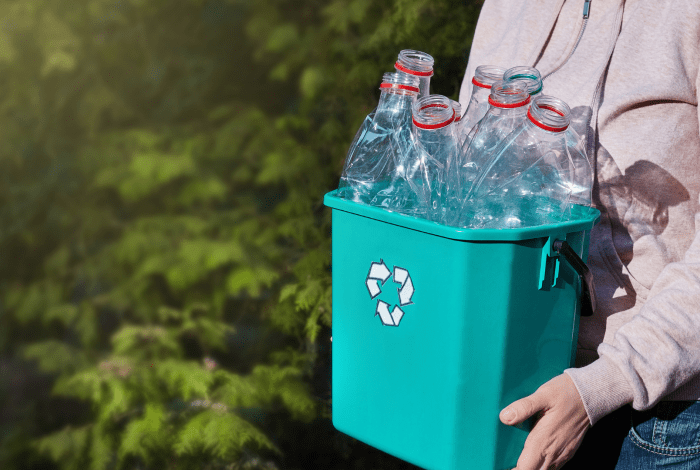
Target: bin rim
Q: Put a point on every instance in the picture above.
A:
(589, 217)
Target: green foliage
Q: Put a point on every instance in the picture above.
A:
(67, 445)
(140, 437)
(164, 251)
(221, 434)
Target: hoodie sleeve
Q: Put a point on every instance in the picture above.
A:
(658, 350)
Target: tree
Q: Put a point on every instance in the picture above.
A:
(164, 251)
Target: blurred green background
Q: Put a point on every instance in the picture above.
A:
(165, 278)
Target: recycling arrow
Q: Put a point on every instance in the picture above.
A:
(377, 272)
(392, 318)
(406, 290)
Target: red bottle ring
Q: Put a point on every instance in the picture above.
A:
(412, 72)
(545, 127)
(400, 87)
(511, 105)
(478, 83)
(435, 105)
(435, 126)
(551, 108)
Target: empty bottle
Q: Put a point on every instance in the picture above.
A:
(375, 153)
(484, 77)
(536, 174)
(431, 159)
(508, 103)
(417, 64)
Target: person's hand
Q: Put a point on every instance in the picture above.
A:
(561, 424)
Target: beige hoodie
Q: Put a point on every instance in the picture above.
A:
(634, 79)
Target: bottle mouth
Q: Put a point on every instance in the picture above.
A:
(511, 94)
(433, 112)
(415, 63)
(529, 75)
(549, 113)
(486, 75)
(399, 82)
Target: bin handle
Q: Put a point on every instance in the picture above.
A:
(588, 301)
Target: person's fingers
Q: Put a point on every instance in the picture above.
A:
(522, 409)
(543, 450)
(561, 423)
(531, 461)
(535, 455)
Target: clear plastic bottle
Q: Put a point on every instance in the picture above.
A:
(432, 157)
(417, 64)
(537, 173)
(376, 152)
(529, 75)
(508, 103)
(484, 77)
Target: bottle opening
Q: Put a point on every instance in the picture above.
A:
(433, 112)
(550, 108)
(486, 75)
(511, 94)
(529, 75)
(415, 63)
(549, 113)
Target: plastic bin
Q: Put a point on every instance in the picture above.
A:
(436, 329)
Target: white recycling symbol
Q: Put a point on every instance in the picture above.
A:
(379, 272)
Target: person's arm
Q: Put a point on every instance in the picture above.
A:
(654, 353)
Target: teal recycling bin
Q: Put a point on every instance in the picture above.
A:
(436, 329)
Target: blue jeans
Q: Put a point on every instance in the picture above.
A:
(664, 437)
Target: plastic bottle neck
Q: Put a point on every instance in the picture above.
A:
(486, 75)
(549, 114)
(499, 104)
(396, 101)
(529, 75)
(398, 91)
(509, 95)
(415, 63)
(432, 116)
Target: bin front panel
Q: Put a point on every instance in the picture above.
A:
(477, 332)
(395, 387)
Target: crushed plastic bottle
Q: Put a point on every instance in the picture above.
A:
(508, 103)
(379, 147)
(529, 75)
(431, 159)
(484, 77)
(417, 64)
(536, 174)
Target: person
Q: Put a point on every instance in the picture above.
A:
(630, 74)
